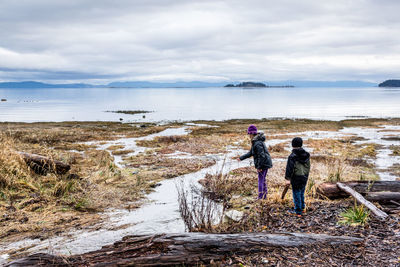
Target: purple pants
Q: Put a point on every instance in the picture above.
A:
(262, 184)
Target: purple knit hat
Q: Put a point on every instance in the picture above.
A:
(252, 129)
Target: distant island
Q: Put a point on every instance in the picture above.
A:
(255, 84)
(390, 83)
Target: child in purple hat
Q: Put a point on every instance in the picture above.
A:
(262, 158)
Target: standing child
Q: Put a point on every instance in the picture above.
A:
(297, 171)
(262, 159)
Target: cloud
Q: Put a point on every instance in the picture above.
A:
(168, 40)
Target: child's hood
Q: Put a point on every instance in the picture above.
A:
(301, 155)
(259, 137)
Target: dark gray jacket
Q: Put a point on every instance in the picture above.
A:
(262, 158)
(298, 168)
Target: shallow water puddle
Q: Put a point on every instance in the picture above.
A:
(384, 160)
(130, 143)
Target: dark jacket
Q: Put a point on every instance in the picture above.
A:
(298, 168)
(262, 159)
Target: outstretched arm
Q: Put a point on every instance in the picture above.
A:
(245, 156)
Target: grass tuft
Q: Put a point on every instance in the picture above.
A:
(354, 216)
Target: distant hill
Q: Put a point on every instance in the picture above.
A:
(32, 84)
(390, 83)
(144, 84)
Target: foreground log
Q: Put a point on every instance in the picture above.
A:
(185, 248)
(331, 190)
(360, 199)
(42, 165)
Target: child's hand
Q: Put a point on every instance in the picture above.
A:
(287, 182)
(238, 159)
(259, 170)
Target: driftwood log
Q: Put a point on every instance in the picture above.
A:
(384, 197)
(185, 248)
(42, 165)
(331, 190)
(360, 199)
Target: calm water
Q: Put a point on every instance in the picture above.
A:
(31, 105)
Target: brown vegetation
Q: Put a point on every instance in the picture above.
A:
(43, 205)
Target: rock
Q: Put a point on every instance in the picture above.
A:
(233, 215)
(3, 100)
(155, 185)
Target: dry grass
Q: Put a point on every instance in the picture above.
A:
(395, 150)
(198, 211)
(239, 187)
(121, 152)
(43, 205)
(39, 205)
(195, 145)
(395, 170)
(159, 166)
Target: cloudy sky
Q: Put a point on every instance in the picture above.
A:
(181, 40)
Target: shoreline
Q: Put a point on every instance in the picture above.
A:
(164, 122)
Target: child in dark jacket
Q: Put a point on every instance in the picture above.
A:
(262, 159)
(297, 171)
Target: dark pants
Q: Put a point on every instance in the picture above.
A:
(262, 184)
(298, 199)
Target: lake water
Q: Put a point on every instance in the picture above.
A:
(31, 105)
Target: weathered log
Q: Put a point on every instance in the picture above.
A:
(330, 190)
(360, 199)
(42, 165)
(185, 248)
(40, 259)
(383, 197)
